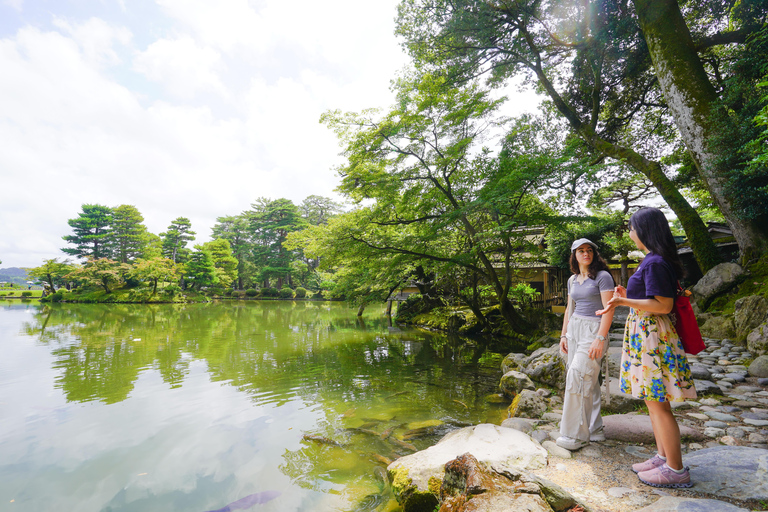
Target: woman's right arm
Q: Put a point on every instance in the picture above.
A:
(564, 330)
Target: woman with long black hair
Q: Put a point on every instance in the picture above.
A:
(654, 367)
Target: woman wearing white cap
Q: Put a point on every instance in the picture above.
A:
(584, 341)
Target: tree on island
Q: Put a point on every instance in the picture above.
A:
(154, 270)
(92, 233)
(129, 235)
(270, 222)
(52, 272)
(225, 265)
(103, 272)
(199, 270)
(176, 238)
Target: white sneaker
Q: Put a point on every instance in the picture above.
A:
(570, 443)
(597, 436)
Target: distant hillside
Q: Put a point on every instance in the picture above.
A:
(13, 275)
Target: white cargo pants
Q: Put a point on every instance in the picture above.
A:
(581, 405)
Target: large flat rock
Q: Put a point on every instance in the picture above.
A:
(636, 428)
(737, 472)
(505, 450)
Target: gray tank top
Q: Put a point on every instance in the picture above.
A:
(587, 294)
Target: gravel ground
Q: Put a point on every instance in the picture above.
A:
(600, 475)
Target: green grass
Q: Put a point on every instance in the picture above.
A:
(16, 292)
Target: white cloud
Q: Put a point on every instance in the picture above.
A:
(16, 4)
(96, 39)
(225, 24)
(193, 115)
(182, 67)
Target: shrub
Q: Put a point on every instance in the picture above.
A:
(11, 293)
(238, 293)
(171, 289)
(286, 293)
(301, 292)
(251, 292)
(228, 292)
(269, 292)
(26, 294)
(58, 296)
(318, 294)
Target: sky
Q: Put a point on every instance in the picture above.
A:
(181, 108)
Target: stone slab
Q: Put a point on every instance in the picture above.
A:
(738, 472)
(636, 428)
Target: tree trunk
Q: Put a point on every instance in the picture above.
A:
(704, 249)
(691, 99)
(360, 310)
(624, 272)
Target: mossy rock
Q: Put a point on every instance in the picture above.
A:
(719, 327)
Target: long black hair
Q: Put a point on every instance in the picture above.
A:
(598, 264)
(652, 229)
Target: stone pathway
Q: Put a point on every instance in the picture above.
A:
(724, 433)
(725, 440)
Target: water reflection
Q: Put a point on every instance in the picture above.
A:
(159, 390)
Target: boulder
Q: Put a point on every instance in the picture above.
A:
(528, 404)
(718, 327)
(513, 382)
(636, 428)
(757, 340)
(749, 312)
(759, 367)
(717, 281)
(417, 478)
(521, 424)
(738, 472)
(469, 486)
(546, 365)
(513, 361)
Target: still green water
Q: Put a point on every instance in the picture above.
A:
(109, 408)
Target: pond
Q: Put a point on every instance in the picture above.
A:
(289, 406)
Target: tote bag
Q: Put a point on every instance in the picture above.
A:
(685, 323)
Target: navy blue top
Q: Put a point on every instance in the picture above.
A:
(655, 276)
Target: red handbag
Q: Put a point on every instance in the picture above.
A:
(685, 322)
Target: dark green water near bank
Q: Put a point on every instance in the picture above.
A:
(188, 408)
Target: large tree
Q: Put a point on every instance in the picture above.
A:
(129, 235)
(224, 262)
(92, 232)
(591, 60)
(270, 222)
(236, 230)
(176, 238)
(429, 191)
(693, 99)
(318, 209)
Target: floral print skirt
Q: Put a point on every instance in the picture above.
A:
(653, 362)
